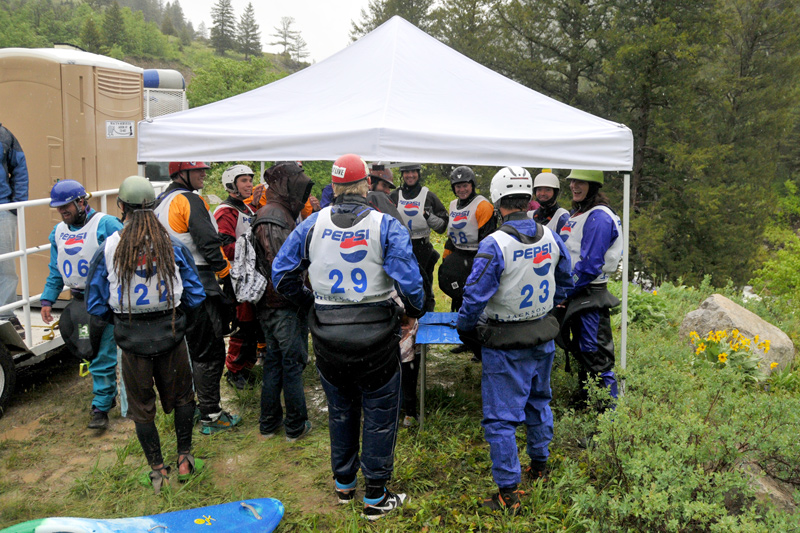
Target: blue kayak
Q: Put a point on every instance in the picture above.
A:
(262, 515)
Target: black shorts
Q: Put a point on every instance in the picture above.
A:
(170, 373)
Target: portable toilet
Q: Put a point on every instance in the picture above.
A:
(75, 115)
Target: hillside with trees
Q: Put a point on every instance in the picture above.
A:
(154, 34)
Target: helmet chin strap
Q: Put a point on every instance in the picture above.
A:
(80, 217)
(185, 179)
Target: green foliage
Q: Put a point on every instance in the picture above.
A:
(786, 381)
(645, 309)
(222, 78)
(113, 26)
(91, 40)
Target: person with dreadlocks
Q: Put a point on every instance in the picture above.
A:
(185, 216)
(546, 189)
(73, 243)
(593, 237)
(147, 284)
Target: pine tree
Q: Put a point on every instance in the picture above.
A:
(223, 32)
(248, 33)
(113, 26)
(299, 50)
(285, 35)
(202, 31)
(167, 27)
(379, 11)
(91, 40)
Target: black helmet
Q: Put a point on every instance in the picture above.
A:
(462, 174)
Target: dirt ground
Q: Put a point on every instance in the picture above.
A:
(46, 450)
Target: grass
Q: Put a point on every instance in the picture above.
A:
(445, 469)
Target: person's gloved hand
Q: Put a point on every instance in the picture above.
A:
(434, 222)
(468, 337)
(306, 302)
(227, 289)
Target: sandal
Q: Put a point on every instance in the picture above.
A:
(155, 479)
(196, 466)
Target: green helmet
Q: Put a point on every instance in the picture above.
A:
(136, 191)
(594, 176)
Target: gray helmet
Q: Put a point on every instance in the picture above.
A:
(462, 174)
(410, 166)
(137, 192)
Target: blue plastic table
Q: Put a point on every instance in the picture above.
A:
(434, 328)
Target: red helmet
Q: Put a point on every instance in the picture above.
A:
(176, 167)
(349, 168)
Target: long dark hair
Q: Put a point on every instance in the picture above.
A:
(594, 197)
(144, 241)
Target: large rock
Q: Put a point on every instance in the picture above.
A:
(719, 313)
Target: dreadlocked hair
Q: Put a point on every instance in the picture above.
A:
(144, 241)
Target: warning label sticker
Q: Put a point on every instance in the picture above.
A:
(120, 129)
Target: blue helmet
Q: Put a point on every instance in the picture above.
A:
(66, 191)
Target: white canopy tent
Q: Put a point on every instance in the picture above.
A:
(397, 94)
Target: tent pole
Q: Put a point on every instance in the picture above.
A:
(626, 217)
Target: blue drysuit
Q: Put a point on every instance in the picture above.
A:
(103, 367)
(515, 385)
(592, 328)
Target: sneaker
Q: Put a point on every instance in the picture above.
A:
(387, 504)
(345, 493)
(537, 471)
(506, 501)
(306, 431)
(99, 419)
(272, 433)
(409, 421)
(221, 422)
(236, 379)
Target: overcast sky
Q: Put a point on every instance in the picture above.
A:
(324, 24)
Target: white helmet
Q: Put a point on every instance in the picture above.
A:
(230, 175)
(546, 179)
(511, 181)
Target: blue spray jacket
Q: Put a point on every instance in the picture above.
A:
(399, 262)
(484, 280)
(13, 169)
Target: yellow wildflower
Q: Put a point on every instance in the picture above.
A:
(655, 293)
(694, 335)
(735, 333)
(701, 348)
(772, 365)
(722, 357)
(755, 339)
